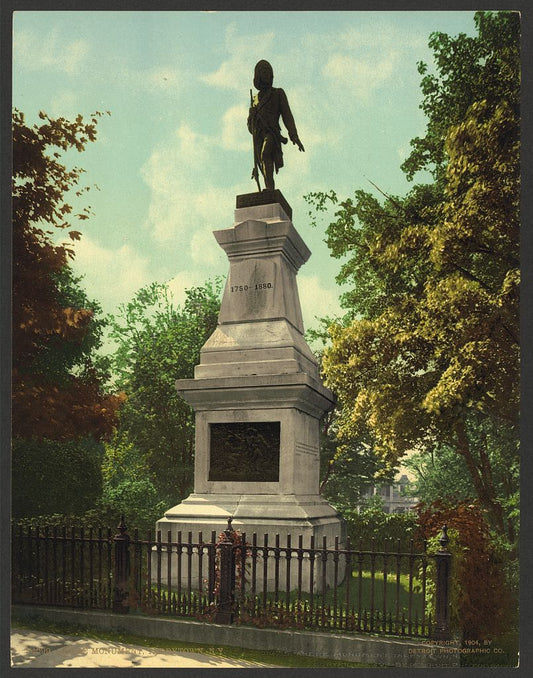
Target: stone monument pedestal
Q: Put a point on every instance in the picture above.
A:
(258, 397)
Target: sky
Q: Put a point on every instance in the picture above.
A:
(175, 152)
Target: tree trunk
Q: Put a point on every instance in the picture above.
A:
(484, 489)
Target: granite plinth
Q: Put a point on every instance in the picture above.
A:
(257, 373)
(265, 197)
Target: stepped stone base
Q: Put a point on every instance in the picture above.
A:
(283, 514)
(279, 517)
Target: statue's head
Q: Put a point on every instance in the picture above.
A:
(263, 75)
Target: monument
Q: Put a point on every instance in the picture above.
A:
(263, 124)
(257, 394)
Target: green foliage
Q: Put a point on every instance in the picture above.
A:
(440, 474)
(151, 321)
(41, 181)
(373, 523)
(124, 487)
(352, 477)
(57, 359)
(365, 234)
(468, 69)
(429, 359)
(122, 461)
(349, 479)
(137, 500)
(55, 477)
(507, 555)
(348, 467)
(127, 487)
(443, 475)
(372, 502)
(157, 344)
(505, 642)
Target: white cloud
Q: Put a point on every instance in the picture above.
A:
(358, 76)
(210, 204)
(314, 118)
(192, 146)
(316, 300)
(205, 250)
(243, 50)
(112, 276)
(65, 104)
(172, 172)
(34, 52)
(355, 38)
(230, 75)
(183, 281)
(385, 36)
(292, 177)
(185, 204)
(235, 136)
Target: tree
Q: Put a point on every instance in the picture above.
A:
(482, 604)
(430, 358)
(57, 383)
(469, 69)
(443, 476)
(157, 344)
(127, 487)
(348, 466)
(440, 474)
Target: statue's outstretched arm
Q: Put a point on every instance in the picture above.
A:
(288, 119)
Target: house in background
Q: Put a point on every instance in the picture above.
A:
(394, 497)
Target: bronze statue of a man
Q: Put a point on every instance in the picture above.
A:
(263, 124)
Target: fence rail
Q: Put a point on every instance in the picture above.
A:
(233, 578)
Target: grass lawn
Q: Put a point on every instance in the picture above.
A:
(362, 598)
(364, 604)
(368, 593)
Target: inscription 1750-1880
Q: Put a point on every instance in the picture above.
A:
(248, 288)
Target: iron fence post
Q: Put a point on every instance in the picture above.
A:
(443, 558)
(224, 614)
(122, 569)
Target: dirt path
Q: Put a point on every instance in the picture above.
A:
(37, 649)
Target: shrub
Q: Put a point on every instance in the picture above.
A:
(51, 476)
(137, 500)
(480, 605)
(375, 523)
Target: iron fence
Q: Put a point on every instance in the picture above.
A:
(233, 578)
